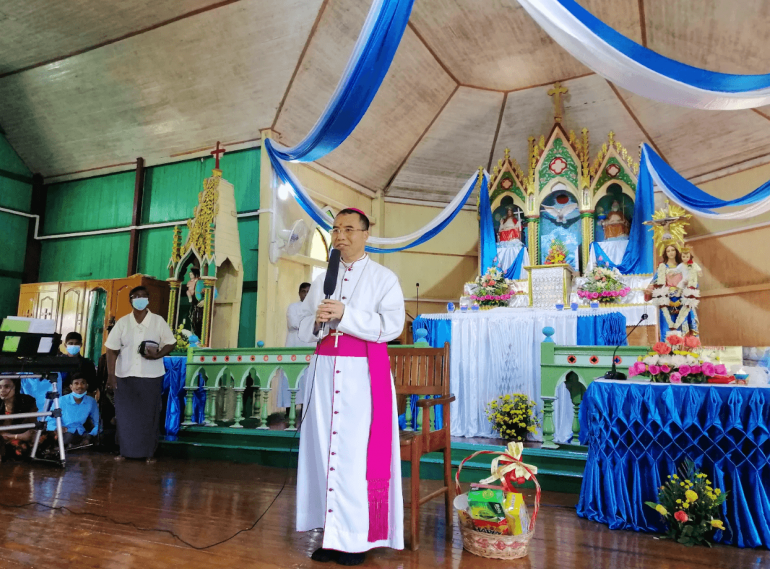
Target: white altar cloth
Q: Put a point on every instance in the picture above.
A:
(614, 249)
(497, 351)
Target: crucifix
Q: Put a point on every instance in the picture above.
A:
(216, 153)
(556, 93)
(336, 335)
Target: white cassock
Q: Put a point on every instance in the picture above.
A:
(331, 476)
(293, 317)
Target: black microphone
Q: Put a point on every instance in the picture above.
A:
(330, 282)
(614, 373)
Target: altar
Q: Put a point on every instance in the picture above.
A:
(497, 351)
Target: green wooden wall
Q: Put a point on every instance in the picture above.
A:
(15, 193)
(170, 194)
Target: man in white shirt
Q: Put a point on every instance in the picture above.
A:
(135, 350)
(293, 317)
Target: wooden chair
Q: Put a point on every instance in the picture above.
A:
(424, 371)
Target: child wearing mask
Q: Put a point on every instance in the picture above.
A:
(73, 343)
(77, 408)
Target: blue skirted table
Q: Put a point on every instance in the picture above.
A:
(639, 433)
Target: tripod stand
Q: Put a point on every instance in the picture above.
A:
(51, 409)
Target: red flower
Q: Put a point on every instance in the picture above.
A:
(680, 516)
(662, 348)
(675, 340)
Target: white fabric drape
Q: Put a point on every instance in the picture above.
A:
(613, 249)
(588, 48)
(746, 212)
(507, 251)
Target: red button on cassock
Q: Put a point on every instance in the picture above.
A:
(336, 391)
(336, 412)
(334, 433)
(332, 468)
(334, 453)
(330, 511)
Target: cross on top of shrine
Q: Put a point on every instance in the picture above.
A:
(217, 152)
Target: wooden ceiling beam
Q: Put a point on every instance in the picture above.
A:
(497, 132)
(120, 38)
(636, 119)
(419, 139)
(642, 23)
(299, 62)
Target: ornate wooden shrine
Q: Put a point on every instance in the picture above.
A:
(214, 222)
(559, 166)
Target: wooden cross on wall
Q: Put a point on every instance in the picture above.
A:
(217, 152)
(556, 93)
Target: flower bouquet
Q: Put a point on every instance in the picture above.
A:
(491, 289)
(557, 253)
(688, 506)
(676, 360)
(513, 416)
(603, 285)
(182, 338)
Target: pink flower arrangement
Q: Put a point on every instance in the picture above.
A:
(685, 369)
(491, 297)
(665, 369)
(654, 370)
(696, 369)
(709, 370)
(721, 369)
(675, 377)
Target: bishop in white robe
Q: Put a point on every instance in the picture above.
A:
(333, 492)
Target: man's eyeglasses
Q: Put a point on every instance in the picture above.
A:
(346, 231)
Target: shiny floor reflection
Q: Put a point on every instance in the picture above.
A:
(206, 501)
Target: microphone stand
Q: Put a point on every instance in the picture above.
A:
(614, 373)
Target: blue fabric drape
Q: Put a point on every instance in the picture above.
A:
(368, 64)
(638, 258)
(324, 221)
(486, 229)
(693, 76)
(639, 433)
(689, 195)
(602, 330)
(199, 402)
(439, 330)
(173, 390)
(514, 271)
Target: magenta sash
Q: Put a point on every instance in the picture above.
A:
(378, 452)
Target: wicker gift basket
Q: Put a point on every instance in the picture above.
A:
(492, 546)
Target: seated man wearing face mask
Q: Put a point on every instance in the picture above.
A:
(73, 344)
(77, 409)
(135, 350)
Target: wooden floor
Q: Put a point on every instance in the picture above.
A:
(208, 501)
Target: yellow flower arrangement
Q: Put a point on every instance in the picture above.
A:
(513, 416)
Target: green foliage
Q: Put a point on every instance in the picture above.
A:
(688, 504)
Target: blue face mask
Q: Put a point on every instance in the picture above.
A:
(79, 395)
(140, 303)
(73, 350)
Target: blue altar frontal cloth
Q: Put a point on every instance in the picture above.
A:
(639, 433)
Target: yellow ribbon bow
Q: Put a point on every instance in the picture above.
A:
(513, 450)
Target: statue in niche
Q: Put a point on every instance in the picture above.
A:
(615, 224)
(195, 296)
(510, 227)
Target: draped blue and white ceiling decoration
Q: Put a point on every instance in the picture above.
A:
(641, 70)
(609, 53)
